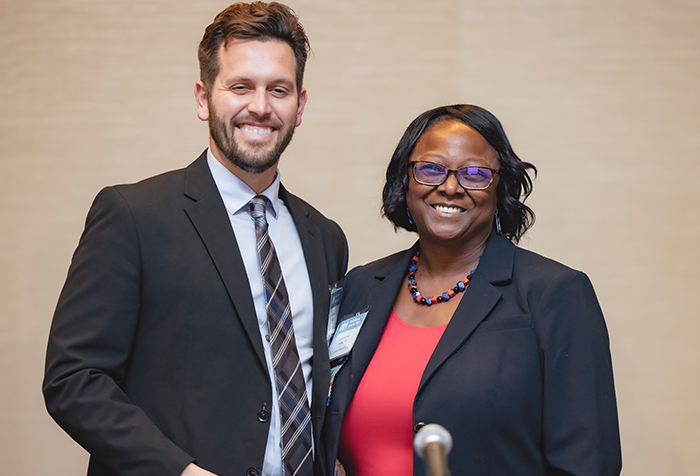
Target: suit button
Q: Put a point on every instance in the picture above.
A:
(263, 414)
(418, 426)
(252, 472)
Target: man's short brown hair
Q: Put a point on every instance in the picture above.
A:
(252, 21)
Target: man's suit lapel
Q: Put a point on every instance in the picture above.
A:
(209, 217)
(315, 257)
(496, 266)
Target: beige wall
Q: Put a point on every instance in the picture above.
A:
(602, 96)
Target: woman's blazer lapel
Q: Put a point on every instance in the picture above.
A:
(495, 266)
(378, 294)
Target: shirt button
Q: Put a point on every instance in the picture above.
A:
(267, 337)
(252, 472)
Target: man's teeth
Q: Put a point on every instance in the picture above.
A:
(256, 130)
(444, 209)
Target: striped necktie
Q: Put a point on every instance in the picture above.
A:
(295, 417)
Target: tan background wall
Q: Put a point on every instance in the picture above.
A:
(602, 96)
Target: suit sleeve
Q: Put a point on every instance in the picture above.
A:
(89, 346)
(581, 435)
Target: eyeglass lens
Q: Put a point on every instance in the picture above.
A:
(474, 178)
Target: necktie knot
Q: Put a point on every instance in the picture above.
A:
(257, 207)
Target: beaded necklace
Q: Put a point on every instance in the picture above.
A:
(430, 300)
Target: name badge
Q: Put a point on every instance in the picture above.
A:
(342, 343)
(346, 335)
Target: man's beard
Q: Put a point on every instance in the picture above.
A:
(256, 160)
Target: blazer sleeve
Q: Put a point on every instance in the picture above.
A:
(89, 345)
(580, 427)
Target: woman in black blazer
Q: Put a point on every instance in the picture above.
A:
(513, 360)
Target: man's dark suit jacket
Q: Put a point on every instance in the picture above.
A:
(155, 357)
(521, 378)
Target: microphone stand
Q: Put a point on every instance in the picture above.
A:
(433, 443)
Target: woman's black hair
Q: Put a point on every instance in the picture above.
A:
(516, 217)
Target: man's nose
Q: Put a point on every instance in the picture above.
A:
(259, 103)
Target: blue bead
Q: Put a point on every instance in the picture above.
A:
(428, 301)
(411, 281)
(446, 296)
(412, 267)
(461, 286)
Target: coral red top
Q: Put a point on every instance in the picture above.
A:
(377, 433)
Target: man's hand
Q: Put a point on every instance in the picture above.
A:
(194, 470)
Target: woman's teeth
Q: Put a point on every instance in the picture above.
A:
(444, 209)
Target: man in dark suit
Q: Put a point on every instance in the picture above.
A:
(159, 358)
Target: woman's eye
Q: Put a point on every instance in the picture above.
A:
(434, 169)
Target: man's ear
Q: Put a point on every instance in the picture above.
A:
(200, 95)
(302, 103)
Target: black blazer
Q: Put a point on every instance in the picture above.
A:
(155, 358)
(521, 378)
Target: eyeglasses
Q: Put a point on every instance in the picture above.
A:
(471, 178)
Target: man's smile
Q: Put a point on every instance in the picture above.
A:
(256, 130)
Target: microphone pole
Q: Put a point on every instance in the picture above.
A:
(433, 443)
